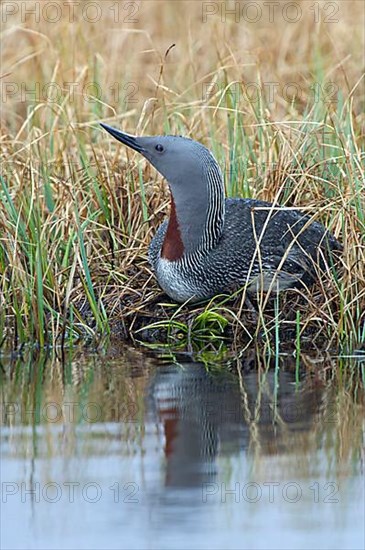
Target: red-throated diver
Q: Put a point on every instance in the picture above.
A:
(212, 245)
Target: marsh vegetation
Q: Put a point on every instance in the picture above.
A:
(281, 105)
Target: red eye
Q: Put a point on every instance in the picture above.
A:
(159, 148)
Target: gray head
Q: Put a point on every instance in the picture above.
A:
(178, 159)
(191, 171)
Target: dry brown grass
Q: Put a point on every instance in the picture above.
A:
(75, 218)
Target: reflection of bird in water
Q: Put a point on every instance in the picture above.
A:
(193, 407)
(205, 414)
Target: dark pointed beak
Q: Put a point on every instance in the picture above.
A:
(127, 139)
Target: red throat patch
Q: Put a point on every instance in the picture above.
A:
(172, 247)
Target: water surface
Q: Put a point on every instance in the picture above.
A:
(129, 452)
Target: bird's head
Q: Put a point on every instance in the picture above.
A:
(182, 161)
(195, 182)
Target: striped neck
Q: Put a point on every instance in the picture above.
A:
(214, 219)
(197, 217)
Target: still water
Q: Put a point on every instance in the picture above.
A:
(129, 451)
